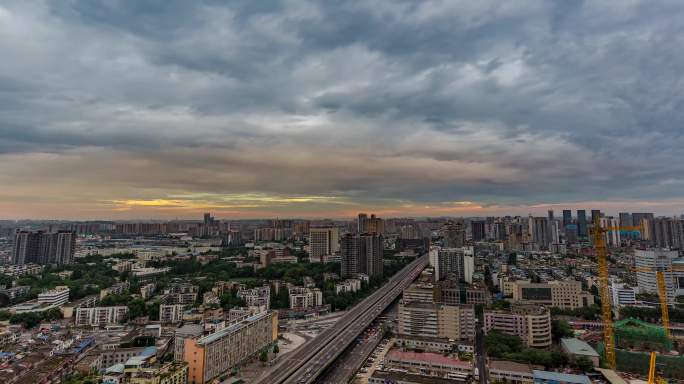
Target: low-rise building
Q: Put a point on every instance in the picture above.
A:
(349, 285)
(116, 289)
(577, 348)
(510, 372)
(561, 294)
(385, 377)
(16, 292)
(433, 344)
(428, 363)
(147, 291)
(532, 323)
(546, 377)
(171, 373)
(301, 297)
(97, 316)
(54, 297)
(259, 297)
(622, 294)
(171, 313)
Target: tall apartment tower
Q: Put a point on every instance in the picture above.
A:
(65, 247)
(26, 247)
(625, 219)
(658, 259)
(455, 261)
(582, 223)
(453, 234)
(322, 242)
(349, 252)
(44, 248)
(478, 230)
(371, 247)
(370, 224)
(361, 253)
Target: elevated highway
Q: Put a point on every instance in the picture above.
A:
(308, 362)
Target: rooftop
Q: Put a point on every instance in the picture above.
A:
(560, 377)
(578, 347)
(433, 358)
(400, 377)
(503, 365)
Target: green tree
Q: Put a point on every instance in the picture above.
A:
(584, 364)
(561, 329)
(263, 356)
(136, 308)
(498, 344)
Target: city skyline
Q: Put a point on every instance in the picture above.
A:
(137, 110)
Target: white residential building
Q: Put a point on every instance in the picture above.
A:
(622, 294)
(171, 313)
(97, 316)
(349, 285)
(647, 262)
(259, 297)
(54, 297)
(301, 297)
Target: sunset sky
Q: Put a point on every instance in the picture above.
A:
(166, 109)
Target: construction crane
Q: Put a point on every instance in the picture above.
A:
(662, 293)
(652, 378)
(597, 233)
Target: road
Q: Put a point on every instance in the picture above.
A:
(345, 367)
(308, 362)
(480, 355)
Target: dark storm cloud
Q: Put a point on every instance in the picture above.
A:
(424, 101)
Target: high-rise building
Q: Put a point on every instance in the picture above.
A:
(362, 223)
(541, 232)
(648, 261)
(582, 223)
(457, 261)
(644, 220)
(595, 216)
(667, 232)
(478, 230)
(323, 242)
(44, 248)
(453, 234)
(361, 253)
(625, 219)
(567, 217)
(370, 225)
(349, 255)
(26, 248)
(371, 247)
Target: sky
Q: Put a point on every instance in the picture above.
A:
(169, 108)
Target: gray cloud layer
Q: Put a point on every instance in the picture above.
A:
(396, 101)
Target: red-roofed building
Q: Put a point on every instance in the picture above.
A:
(427, 363)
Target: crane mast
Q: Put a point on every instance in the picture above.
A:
(604, 291)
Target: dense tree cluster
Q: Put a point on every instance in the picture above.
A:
(509, 347)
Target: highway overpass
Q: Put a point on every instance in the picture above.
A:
(305, 364)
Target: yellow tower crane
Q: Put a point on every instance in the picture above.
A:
(652, 378)
(662, 293)
(597, 233)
